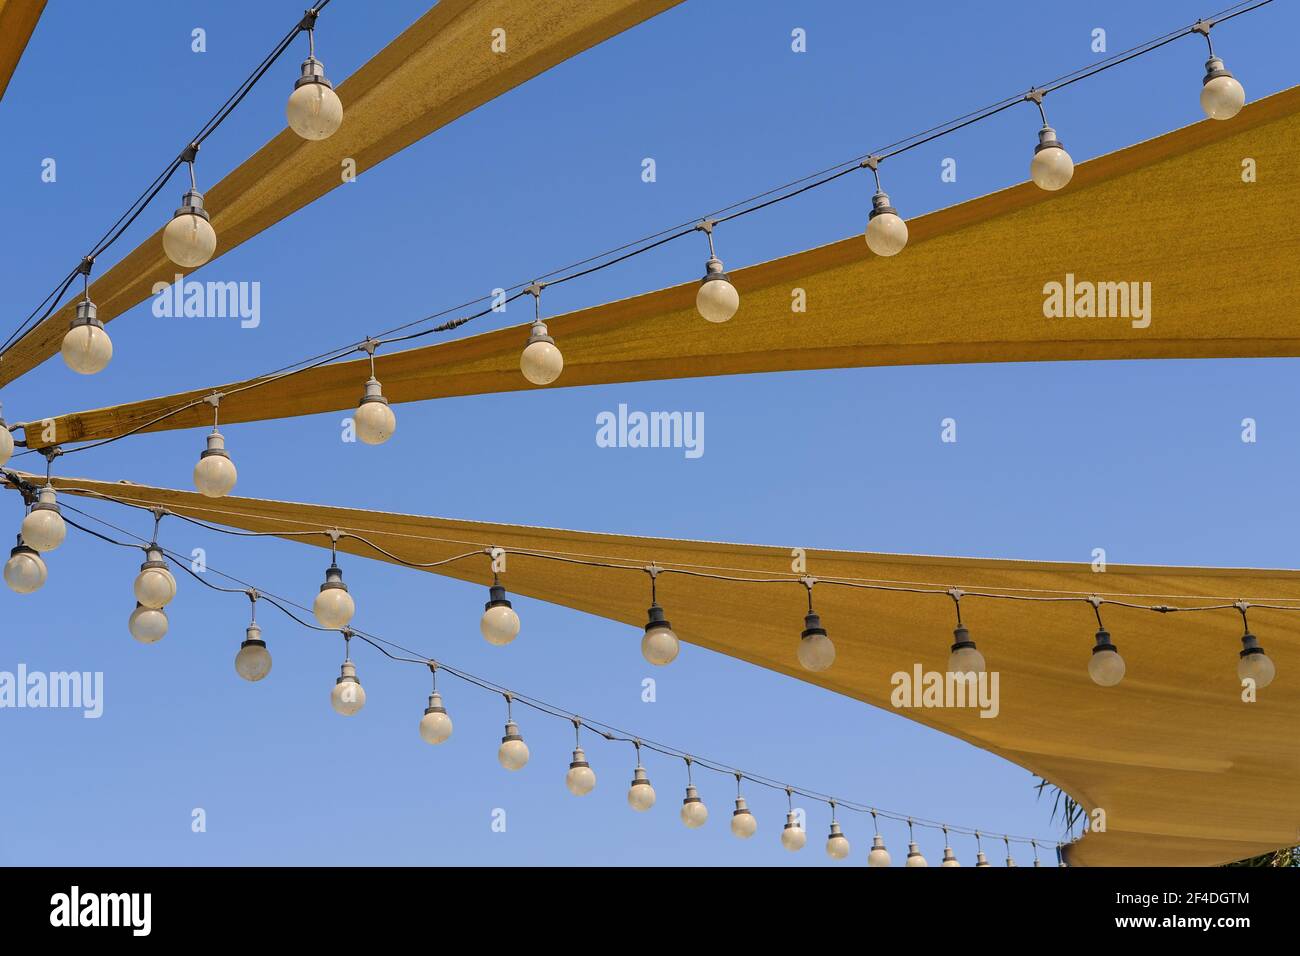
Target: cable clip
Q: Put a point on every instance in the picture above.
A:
(706, 225)
(308, 21)
(215, 399)
(1202, 27)
(653, 570)
(369, 345)
(535, 288)
(87, 263)
(190, 153)
(1036, 95)
(872, 162)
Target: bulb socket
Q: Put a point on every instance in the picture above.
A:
(313, 71)
(812, 626)
(692, 796)
(1214, 69)
(191, 205)
(835, 831)
(87, 314)
(496, 597)
(374, 392)
(657, 620)
(253, 637)
(1103, 642)
(216, 446)
(880, 205)
(791, 821)
(640, 777)
(153, 558)
(1047, 140)
(435, 704)
(46, 500)
(961, 638)
(512, 732)
(1250, 645)
(537, 333)
(579, 759)
(21, 548)
(713, 271)
(349, 674)
(741, 807)
(333, 578)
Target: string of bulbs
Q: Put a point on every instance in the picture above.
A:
(43, 529)
(315, 112)
(155, 586)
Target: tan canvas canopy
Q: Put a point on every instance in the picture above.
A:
(17, 21)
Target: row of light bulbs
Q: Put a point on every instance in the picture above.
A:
(43, 530)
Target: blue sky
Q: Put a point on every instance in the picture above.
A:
(1144, 459)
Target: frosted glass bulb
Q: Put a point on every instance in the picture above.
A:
(949, 858)
(659, 645)
(837, 844)
(513, 752)
(694, 812)
(541, 362)
(499, 623)
(743, 824)
(1051, 167)
(374, 419)
(43, 528)
(793, 836)
(333, 606)
(1106, 668)
(965, 658)
(886, 232)
(155, 585)
(717, 299)
(435, 725)
(1222, 96)
(347, 697)
(878, 856)
(1257, 667)
(25, 570)
(914, 857)
(314, 110)
(641, 795)
(580, 779)
(148, 625)
(253, 662)
(189, 239)
(215, 473)
(86, 347)
(6, 442)
(816, 651)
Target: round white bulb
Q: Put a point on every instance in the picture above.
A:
(375, 422)
(86, 349)
(816, 652)
(1106, 668)
(641, 795)
(886, 234)
(694, 813)
(435, 725)
(43, 529)
(155, 587)
(878, 856)
(793, 837)
(253, 662)
(659, 646)
(333, 608)
(717, 300)
(148, 624)
(580, 778)
(513, 752)
(966, 660)
(743, 823)
(914, 857)
(189, 240)
(1051, 168)
(1257, 667)
(347, 698)
(499, 625)
(314, 111)
(949, 858)
(6, 442)
(25, 571)
(837, 845)
(1222, 98)
(215, 476)
(541, 363)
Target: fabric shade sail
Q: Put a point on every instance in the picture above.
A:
(439, 69)
(17, 21)
(1185, 770)
(1218, 253)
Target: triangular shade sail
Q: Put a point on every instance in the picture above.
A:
(17, 21)
(1219, 253)
(439, 69)
(1186, 772)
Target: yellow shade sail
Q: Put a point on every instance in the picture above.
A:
(439, 69)
(17, 21)
(1184, 770)
(1213, 257)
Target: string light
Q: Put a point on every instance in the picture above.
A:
(793, 835)
(215, 474)
(1222, 95)
(914, 857)
(1105, 667)
(949, 858)
(333, 606)
(837, 844)
(717, 299)
(148, 625)
(580, 779)
(1253, 664)
(188, 238)
(694, 813)
(374, 418)
(640, 795)
(25, 571)
(155, 585)
(513, 752)
(1011, 861)
(435, 725)
(44, 528)
(886, 233)
(1051, 168)
(347, 696)
(816, 650)
(86, 347)
(541, 362)
(743, 824)
(253, 661)
(499, 623)
(659, 646)
(964, 658)
(980, 858)
(879, 856)
(314, 110)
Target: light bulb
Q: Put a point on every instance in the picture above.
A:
(189, 239)
(86, 348)
(374, 420)
(435, 725)
(949, 858)
(694, 812)
(314, 110)
(253, 662)
(333, 606)
(717, 299)
(743, 824)
(878, 856)
(499, 623)
(580, 779)
(914, 857)
(1254, 664)
(886, 232)
(43, 528)
(816, 651)
(837, 844)
(25, 570)
(154, 585)
(6, 442)
(347, 696)
(640, 796)
(1222, 96)
(965, 658)
(793, 836)
(1052, 166)
(659, 645)
(981, 860)
(215, 473)
(513, 752)
(541, 362)
(148, 625)
(1105, 666)
(1011, 861)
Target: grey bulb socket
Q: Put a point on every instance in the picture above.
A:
(961, 638)
(496, 597)
(313, 71)
(333, 578)
(812, 626)
(657, 620)
(1103, 642)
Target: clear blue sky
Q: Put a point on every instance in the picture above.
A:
(1143, 459)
